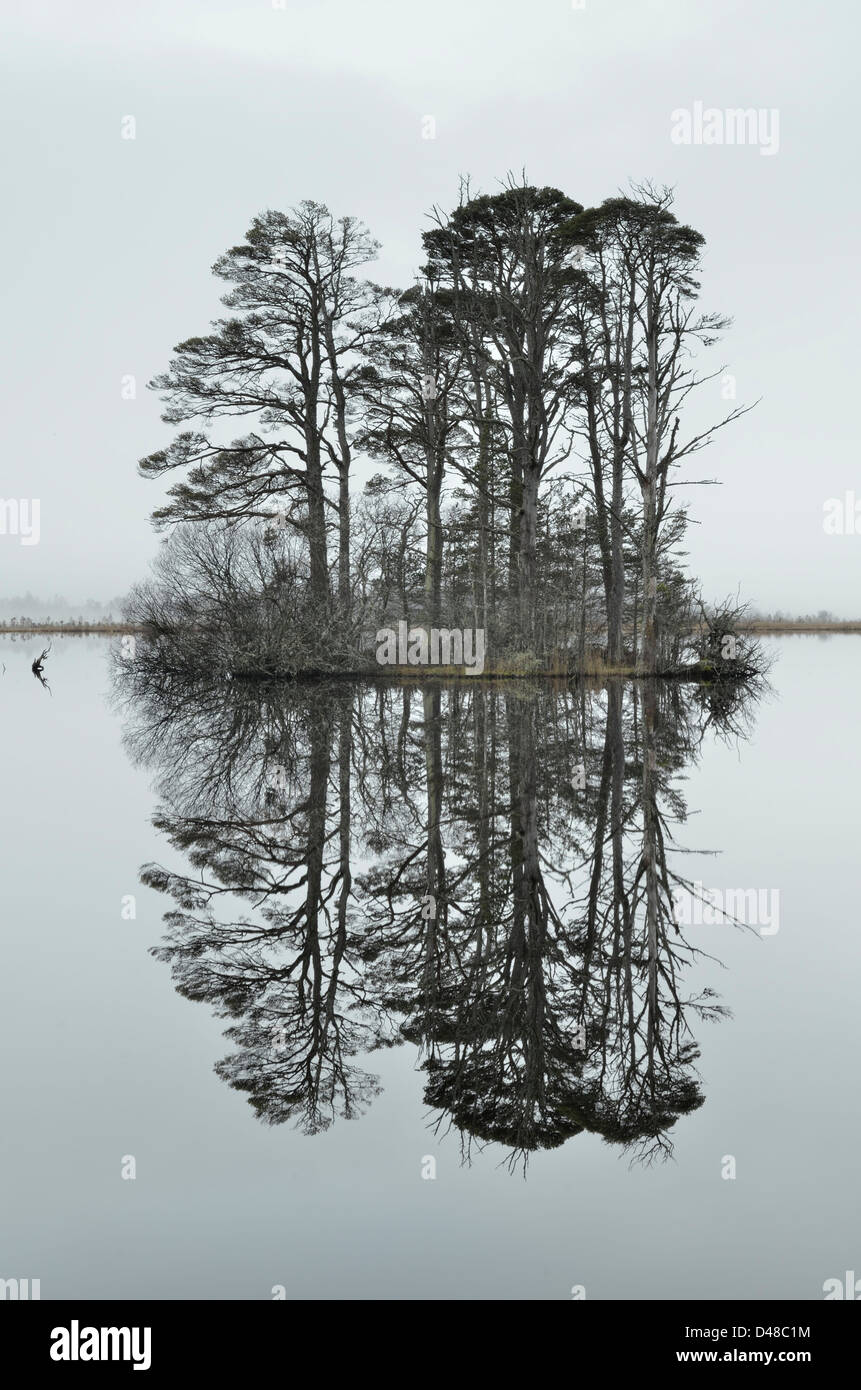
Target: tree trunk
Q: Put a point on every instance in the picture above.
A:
(616, 596)
(483, 485)
(319, 560)
(649, 488)
(344, 593)
(433, 560)
(650, 848)
(526, 555)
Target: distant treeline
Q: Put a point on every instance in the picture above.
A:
(24, 609)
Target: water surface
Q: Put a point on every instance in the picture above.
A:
(294, 837)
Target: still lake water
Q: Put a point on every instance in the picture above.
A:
(106, 1059)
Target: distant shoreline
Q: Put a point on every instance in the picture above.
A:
(105, 629)
(759, 626)
(766, 626)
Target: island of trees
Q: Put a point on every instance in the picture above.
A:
(517, 417)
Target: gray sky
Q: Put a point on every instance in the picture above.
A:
(239, 107)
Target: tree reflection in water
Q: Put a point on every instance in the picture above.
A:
(484, 871)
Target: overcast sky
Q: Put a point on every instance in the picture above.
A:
(243, 106)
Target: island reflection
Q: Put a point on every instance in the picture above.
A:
(483, 871)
